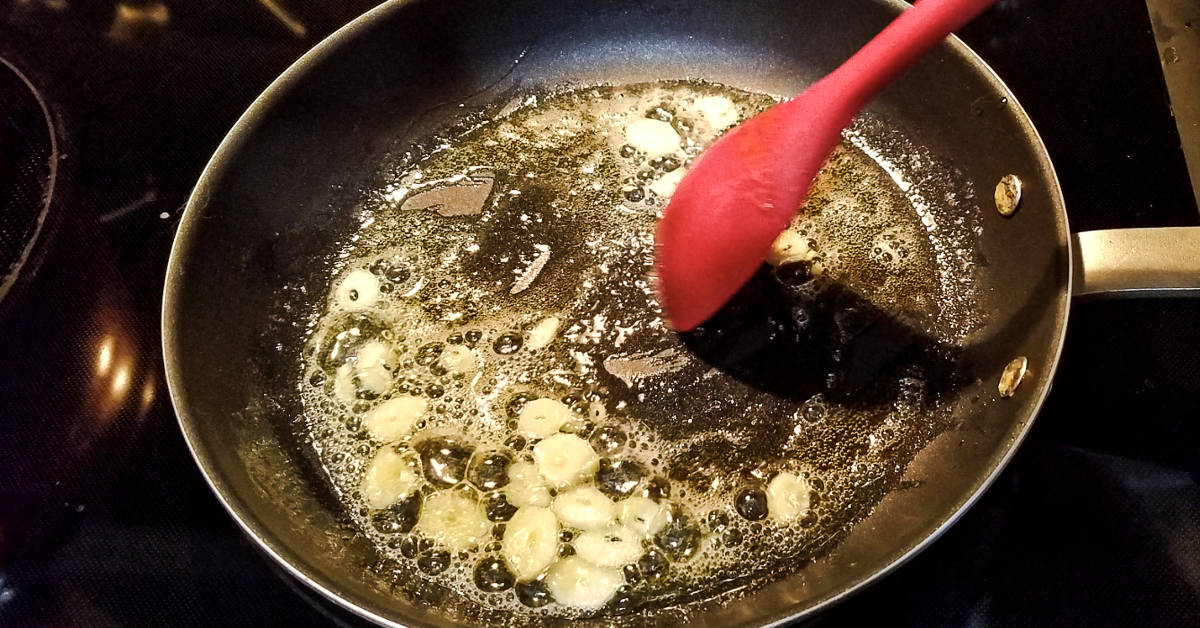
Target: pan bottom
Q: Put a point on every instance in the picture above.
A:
(509, 260)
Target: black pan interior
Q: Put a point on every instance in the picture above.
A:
(278, 195)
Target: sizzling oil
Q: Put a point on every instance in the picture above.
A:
(789, 378)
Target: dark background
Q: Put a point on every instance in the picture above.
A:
(105, 520)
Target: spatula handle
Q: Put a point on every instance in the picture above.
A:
(899, 45)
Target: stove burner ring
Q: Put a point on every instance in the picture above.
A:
(28, 165)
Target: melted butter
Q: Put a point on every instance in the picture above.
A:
(538, 278)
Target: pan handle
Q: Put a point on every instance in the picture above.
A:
(1158, 262)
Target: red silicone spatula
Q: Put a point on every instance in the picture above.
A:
(743, 190)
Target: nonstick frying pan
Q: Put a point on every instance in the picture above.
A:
(275, 197)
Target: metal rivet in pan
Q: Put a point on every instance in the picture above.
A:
(1008, 195)
(1012, 376)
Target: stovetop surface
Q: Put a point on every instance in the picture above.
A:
(105, 519)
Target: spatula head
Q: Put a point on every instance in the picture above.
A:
(737, 197)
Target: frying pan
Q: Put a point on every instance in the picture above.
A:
(276, 196)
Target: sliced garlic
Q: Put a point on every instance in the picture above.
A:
(530, 542)
(390, 477)
(457, 359)
(666, 184)
(344, 387)
(525, 486)
(789, 246)
(788, 497)
(395, 418)
(586, 508)
(719, 111)
(543, 333)
(454, 520)
(577, 583)
(653, 137)
(643, 515)
(614, 547)
(373, 365)
(565, 459)
(358, 290)
(542, 417)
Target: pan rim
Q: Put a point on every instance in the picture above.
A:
(262, 104)
(291, 561)
(1050, 176)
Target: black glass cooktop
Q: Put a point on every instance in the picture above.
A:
(110, 110)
